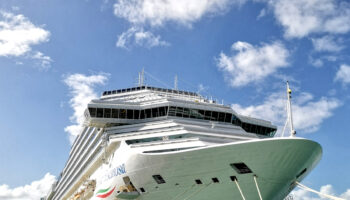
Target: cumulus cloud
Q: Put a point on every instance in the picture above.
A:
(82, 92)
(44, 61)
(18, 35)
(300, 194)
(34, 191)
(150, 13)
(327, 43)
(249, 64)
(139, 37)
(343, 74)
(303, 17)
(156, 13)
(308, 114)
(318, 62)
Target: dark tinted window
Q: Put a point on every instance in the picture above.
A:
(172, 111)
(99, 112)
(136, 114)
(92, 112)
(122, 113)
(207, 115)
(186, 113)
(130, 114)
(179, 111)
(107, 113)
(148, 113)
(228, 117)
(155, 112)
(201, 114)
(115, 113)
(162, 111)
(221, 117)
(214, 116)
(142, 114)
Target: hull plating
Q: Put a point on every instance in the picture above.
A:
(276, 162)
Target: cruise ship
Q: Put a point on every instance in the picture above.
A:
(151, 143)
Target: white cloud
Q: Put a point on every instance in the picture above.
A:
(250, 64)
(44, 61)
(18, 34)
(319, 62)
(343, 74)
(82, 92)
(151, 13)
(316, 62)
(140, 38)
(202, 89)
(303, 17)
(308, 114)
(156, 13)
(300, 194)
(34, 191)
(262, 13)
(327, 43)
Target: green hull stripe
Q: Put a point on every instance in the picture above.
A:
(102, 191)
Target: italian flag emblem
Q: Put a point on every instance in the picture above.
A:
(104, 193)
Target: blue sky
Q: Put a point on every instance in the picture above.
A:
(57, 55)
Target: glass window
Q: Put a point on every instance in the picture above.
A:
(236, 121)
(142, 114)
(186, 113)
(253, 130)
(172, 111)
(179, 111)
(148, 113)
(162, 111)
(258, 130)
(130, 114)
(92, 112)
(201, 114)
(214, 115)
(193, 113)
(221, 117)
(122, 114)
(136, 114)
(155, 112)
(207, 115)
(107, 113)
(245, 126)
(99, 112)
(166, 110)
(228, 117)
(115, 113)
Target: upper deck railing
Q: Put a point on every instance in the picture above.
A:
(111, 92)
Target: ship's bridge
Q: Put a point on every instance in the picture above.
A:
(144, 104)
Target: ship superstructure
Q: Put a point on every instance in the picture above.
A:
(154, 143)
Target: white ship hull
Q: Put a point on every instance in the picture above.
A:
(276, 162)
(150, 143)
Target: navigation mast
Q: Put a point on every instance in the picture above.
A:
(289, 108)
(175, 83)
(141, 77)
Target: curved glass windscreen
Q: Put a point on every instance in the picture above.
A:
(180, 112)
